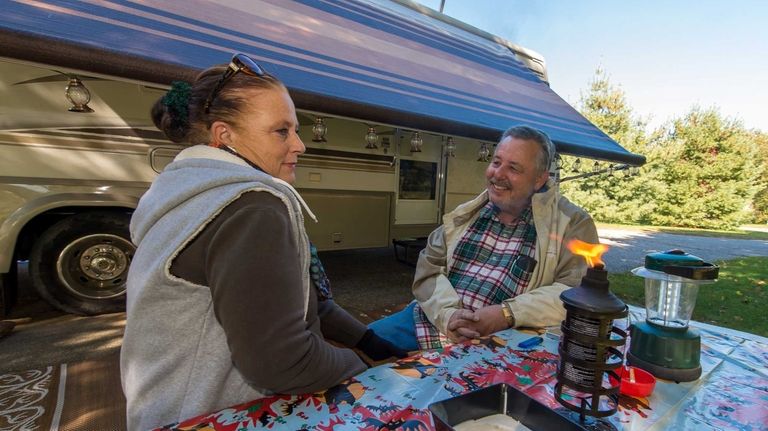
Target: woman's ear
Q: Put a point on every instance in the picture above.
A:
(220, 134)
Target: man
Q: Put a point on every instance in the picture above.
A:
(499, 260)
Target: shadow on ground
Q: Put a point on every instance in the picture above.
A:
(369, 283)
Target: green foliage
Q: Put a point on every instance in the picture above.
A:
(760, 201)
(710, 172)
(702, 170)
(615, 198)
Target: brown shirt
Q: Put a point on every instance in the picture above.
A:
(248, 258)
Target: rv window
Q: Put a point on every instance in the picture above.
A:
(417, 180)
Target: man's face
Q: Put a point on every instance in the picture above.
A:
(513, 175)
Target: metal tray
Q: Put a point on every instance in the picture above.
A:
(503, 399)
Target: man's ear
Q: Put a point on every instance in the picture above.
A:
(543, 177)
(220, 134)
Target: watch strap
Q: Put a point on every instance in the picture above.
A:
(508, 314)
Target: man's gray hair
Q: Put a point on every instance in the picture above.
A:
(547, 153)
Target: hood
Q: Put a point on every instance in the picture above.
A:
(196, 171)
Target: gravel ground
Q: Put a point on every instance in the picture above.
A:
(629, 247)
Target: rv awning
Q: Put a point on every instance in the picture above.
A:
(375, 60)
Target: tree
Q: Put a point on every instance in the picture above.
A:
(702, 170)
(614, 198)
(710, 172)
(760, 201)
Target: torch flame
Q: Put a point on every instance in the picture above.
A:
(591, 252)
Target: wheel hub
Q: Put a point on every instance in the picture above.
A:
(95, 266)
(103, 262)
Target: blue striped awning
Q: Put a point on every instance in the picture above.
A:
(376, 60)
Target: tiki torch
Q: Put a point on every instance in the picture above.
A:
(589, 346)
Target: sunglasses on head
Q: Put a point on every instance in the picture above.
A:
(239, 63)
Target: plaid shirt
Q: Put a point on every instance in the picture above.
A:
(491, 263)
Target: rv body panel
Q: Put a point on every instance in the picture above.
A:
(21, 202)
(360, 195)
(56, 167)
(348, 219)
(69, 182)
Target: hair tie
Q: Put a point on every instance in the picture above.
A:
(177, 101)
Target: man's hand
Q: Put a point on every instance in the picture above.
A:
(460, 326)
(491, 319)
(465, 324)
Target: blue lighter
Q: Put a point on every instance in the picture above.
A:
(530, 343)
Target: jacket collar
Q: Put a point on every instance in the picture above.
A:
(467, 210)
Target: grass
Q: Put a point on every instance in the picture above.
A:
(737, 300)
(733, 234)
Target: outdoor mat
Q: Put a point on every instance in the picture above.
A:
(79, 396)
(82, 395)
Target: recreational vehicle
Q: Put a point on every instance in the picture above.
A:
(399, 108)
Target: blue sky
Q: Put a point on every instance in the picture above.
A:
(667, 56)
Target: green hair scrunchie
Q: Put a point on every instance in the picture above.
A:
(177, 101)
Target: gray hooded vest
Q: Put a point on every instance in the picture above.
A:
(175, 362)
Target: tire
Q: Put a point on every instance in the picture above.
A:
(80, 264)
(8, 289)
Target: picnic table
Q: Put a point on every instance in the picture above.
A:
(732, 393)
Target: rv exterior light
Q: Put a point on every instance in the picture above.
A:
(385, 144)
(371, 138)
(318, 130)
(416, 142)
(483, 153)
(576, 166)
(450, 147)
(78, 95)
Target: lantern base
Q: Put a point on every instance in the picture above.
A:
(661, 372)
(669, 354)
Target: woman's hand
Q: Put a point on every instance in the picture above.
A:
(378, 348)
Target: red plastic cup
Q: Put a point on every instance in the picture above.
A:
(643, 384)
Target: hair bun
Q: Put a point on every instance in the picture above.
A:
(171, 113)
(177, 101)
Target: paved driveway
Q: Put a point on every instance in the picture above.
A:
(629, 247)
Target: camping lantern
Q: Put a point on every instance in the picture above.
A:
(664, 345)
(589, 343)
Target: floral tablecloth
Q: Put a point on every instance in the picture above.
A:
(732, 393)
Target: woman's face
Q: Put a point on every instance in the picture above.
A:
(267, 133)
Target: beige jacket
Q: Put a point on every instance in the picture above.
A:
(557, 221)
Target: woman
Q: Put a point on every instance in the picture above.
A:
(221, 305)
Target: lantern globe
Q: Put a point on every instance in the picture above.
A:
(664, 344)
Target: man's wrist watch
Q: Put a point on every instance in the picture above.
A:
(506, 309)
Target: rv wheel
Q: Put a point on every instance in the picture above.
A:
(80, 264)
